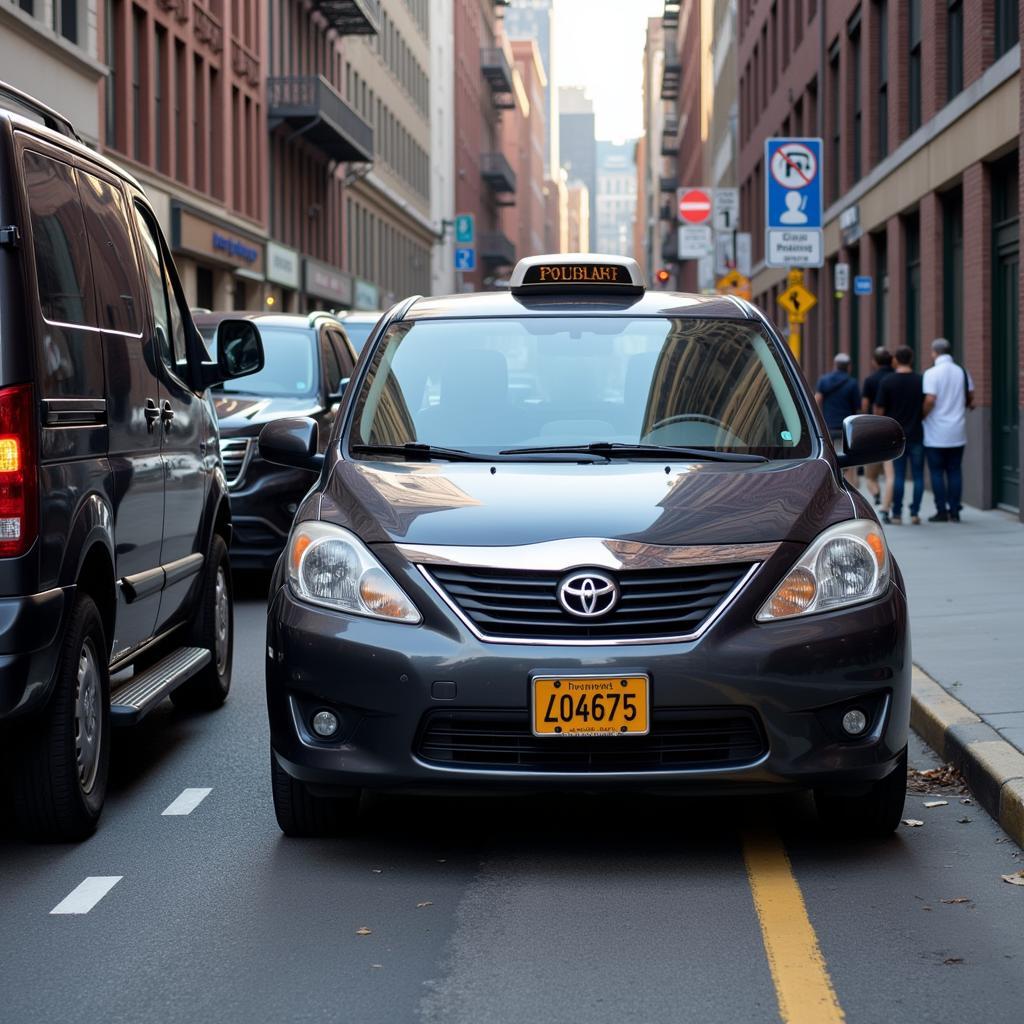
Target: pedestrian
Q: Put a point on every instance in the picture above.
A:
(881, 359)
(948, 394)
(900, 396)
(838, 396)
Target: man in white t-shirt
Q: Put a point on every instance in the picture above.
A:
(948, 394)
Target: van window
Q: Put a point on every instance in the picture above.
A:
(114, 264)
(59, 241)
(156, 283)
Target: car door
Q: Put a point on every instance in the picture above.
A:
(182, 426)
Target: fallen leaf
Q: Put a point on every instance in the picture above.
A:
(912, 822)
(953, 960)
(957, 899)
(963, 821)
(935, 803)
(425, 903)
(1017, 878)
(363, 931)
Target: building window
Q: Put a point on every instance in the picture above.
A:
(912, 288)
(914, 68)
(138, 42)
(880, 243)
(953, 270)
(159, 60)
(65, 18)
(111, 30)
(1007, 26)
(882, 16)
(855, 80)
(835, 116)
(954, 48)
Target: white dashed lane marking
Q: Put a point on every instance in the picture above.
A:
(83, 898)
(189, 800)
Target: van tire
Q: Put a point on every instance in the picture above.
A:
(871, 815)
(213, 630)
(62, 756)
(301, 815)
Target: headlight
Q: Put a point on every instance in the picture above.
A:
(331, 567)
(845, 565)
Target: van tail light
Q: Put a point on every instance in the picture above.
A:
(19, 483)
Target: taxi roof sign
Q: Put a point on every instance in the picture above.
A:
(577, 271)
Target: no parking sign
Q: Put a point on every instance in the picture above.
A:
(793, 235)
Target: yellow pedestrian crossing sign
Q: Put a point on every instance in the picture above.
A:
(797, 301)
(734, 283)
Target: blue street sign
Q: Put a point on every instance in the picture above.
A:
(465, 259)
(465, 229)
(793, 203)
(863, 284)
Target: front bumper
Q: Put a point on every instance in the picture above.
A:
(380, 678)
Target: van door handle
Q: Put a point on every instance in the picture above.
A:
(166, 415)
(152, 414)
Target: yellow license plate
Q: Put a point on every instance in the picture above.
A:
(590, 706)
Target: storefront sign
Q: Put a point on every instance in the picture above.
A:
(282, 265)
(326, 282)
(367, 295)
(215, 241)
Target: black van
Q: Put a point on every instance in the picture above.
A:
(581, 536)
(114, 515)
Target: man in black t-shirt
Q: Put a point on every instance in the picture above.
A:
(882, 362)
(900, 396)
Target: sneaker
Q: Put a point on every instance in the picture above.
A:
(884, 515)
(939, 517)
(895, 520)
(916, 520)
(954, 517)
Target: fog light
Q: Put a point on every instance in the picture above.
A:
(325, 724)
(855, 722)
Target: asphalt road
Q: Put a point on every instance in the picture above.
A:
(505, 910)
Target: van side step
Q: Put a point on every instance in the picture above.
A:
(143, 692)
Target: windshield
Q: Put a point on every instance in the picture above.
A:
(358, 331)
(289, 366)
(491, 385)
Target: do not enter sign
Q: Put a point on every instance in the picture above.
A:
(694, 205)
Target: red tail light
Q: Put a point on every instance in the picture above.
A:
(19, 485)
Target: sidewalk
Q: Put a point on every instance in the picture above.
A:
(965, 586)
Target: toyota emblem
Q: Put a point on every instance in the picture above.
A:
(588, 594)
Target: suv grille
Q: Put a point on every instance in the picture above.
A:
(511, 604)
(679, 738)
(235, 453)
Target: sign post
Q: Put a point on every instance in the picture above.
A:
(465, 245)
(797, 301)
(694, 204)
(793, 232)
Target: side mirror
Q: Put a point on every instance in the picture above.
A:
(292, 442)
(868, 439)
(239, 352)
(337, 396)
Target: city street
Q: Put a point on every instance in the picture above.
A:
(495, 909)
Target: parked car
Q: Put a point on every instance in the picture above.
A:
(580, 536)
(115, 589)
(308, 360)
(359, 324)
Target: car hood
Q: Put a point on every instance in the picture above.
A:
(529, 503)
(236, 412)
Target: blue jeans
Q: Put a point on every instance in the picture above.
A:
(947, 481)
(914, 455)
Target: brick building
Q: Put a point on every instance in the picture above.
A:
(919, 106)
(524, 131)
(485, 181)
(184, 109)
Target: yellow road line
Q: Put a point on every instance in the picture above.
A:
(802, 985)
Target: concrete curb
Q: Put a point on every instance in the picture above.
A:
(992, 767)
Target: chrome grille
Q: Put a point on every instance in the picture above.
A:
(506, 604)
(235, 453)
(680, 738)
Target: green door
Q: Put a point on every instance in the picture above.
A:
(1005, 342)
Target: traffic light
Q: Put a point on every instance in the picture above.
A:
(663, 275)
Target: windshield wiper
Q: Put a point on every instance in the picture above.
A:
(414, 451)
(612, 450)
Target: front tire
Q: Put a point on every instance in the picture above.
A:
(302, 815)
(62, 758)
(871, 815)
(213, 630)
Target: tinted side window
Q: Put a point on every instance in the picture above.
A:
(331, 369)
(59, 240)
(155, 282)
(341, 347)
(114, 264)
